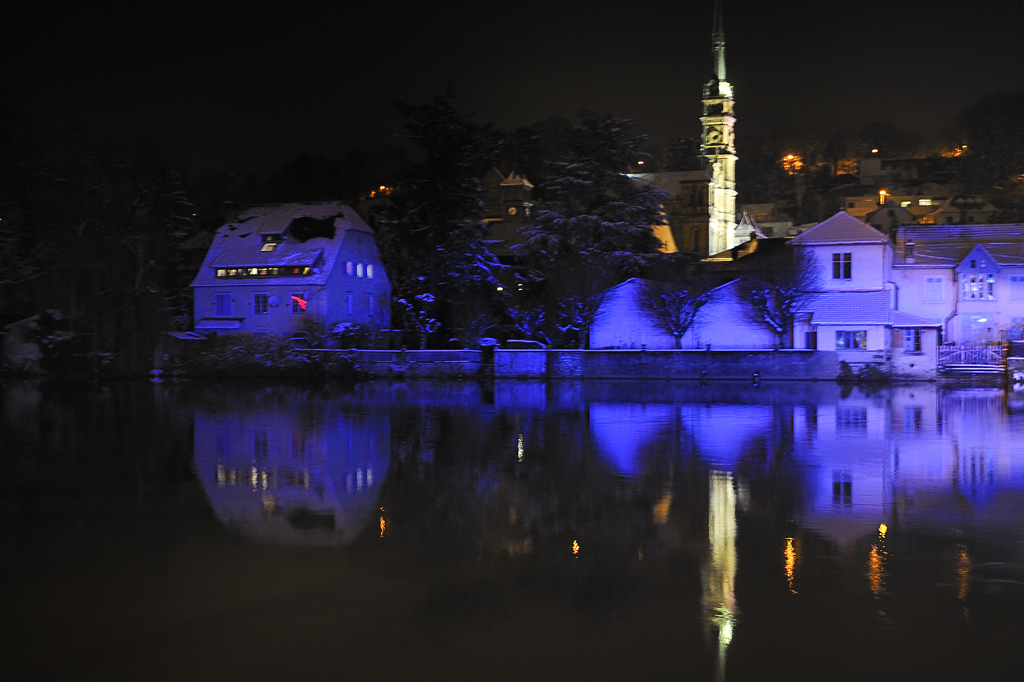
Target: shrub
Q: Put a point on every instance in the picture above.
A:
(266, 355)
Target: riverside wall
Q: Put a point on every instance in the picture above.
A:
(666, 364)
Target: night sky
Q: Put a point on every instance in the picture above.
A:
(242, 88)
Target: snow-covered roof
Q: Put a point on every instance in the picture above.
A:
(240, 243)
(670, 182)
(946, 246)
(829, 308)
(842, 228)
(516, 180)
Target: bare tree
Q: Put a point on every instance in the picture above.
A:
(776, 287)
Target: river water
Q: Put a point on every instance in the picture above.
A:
(514, 530)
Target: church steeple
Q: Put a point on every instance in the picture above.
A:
(718, 42)
(718, 146)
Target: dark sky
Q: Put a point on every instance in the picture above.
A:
(236, 87)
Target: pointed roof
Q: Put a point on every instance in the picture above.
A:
(842, 228)
(516, 180)
(983, 260)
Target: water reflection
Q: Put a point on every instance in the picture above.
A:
(769, 525)
(292, 470)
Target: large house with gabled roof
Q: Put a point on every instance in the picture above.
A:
(857, 311)
(276, 268)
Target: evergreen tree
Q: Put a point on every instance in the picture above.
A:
(432, 235)
(594, 213)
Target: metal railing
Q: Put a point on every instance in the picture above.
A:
(972, 356)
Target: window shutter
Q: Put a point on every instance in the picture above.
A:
(897, 338)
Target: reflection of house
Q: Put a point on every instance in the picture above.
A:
(277, 267)
(277, 475)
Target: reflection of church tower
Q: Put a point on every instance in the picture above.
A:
(718, 146)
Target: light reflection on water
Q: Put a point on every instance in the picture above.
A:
(721, 510)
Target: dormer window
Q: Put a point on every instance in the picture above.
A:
(270, 241)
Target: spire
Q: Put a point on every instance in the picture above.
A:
(718, 43)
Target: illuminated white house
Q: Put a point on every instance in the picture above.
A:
(276, 267)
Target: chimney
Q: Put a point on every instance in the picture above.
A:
(908, 251)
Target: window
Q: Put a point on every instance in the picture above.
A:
(260, 303)
(811, 340)
(369, 306)
(846, 340)
(1017, 287)
(978, 287)
(348, 303)
(852, 418)
(299, 303)
(851, 204)
(222, 305)
(369, 272)
(842, 265)
(932, 289)
(842, 488)
(911, 340)
(359, 269)
(924, 202)
(348, 267)
(905, 204)
(269, 246)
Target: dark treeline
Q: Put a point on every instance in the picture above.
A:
(103, 237)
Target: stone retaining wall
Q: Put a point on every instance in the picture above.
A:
(666, 364)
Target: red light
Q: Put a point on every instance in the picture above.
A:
(300, 301)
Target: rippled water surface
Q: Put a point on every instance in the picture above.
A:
(571, 530)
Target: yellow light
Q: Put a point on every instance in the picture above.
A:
(519, 448)
(382, 524)
(963, 570)
(501, 288)
(875, 566)
(790, 554)
(790, 156)
(882, 528)
(661, 509)
(874, 151)
(575, 547)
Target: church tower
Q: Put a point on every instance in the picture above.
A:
(718, 146)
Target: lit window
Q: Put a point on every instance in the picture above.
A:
(369, 272)
(977, 287)
(842, 266)
(924, 202)
(299, 303)
(904, 204)
(269, 246)
(222, 305)
(912, 340)
(259, 303)
(849, 340)
(348, 267)
(222, 273)
(359, 269)
(254, 271)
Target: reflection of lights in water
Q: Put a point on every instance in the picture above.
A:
(519, 448)
(575, 547)
(661, 509)
(382, 522)
(790, 562)
(640, 554)
(963, 571)
(719, 575)
(513, 516)
(254, 478)
(876, 570)
(222, 477)
(269, 503)
(882, 529)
